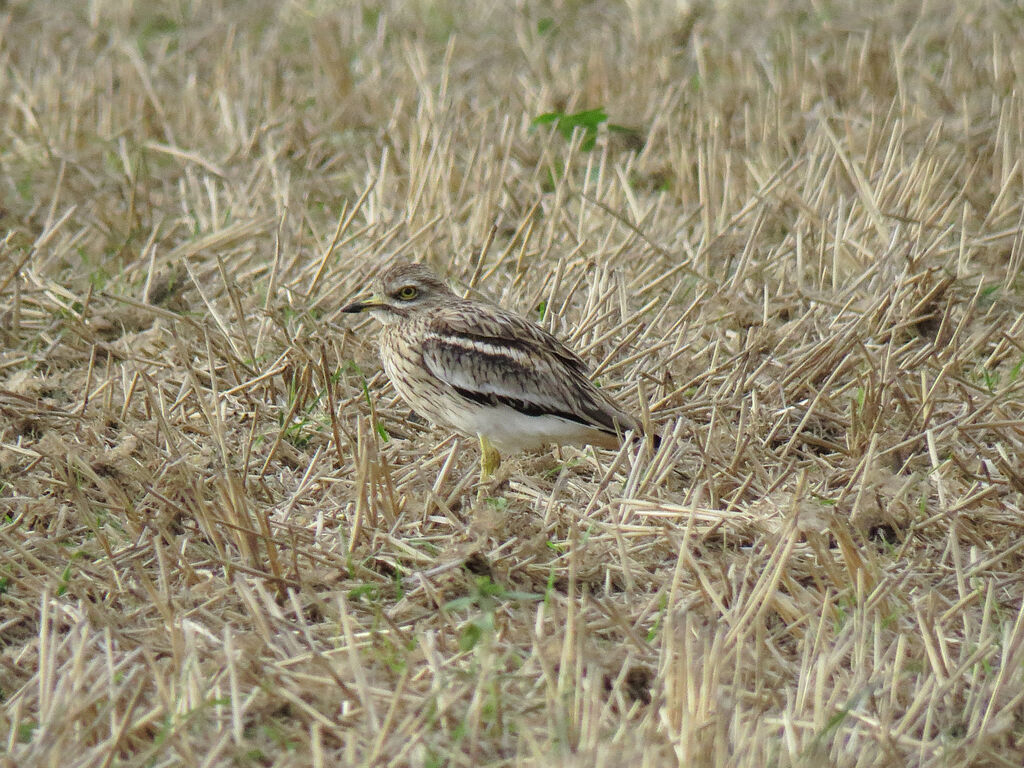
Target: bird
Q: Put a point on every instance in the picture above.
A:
(482, 370)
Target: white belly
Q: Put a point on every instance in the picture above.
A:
(510, 430)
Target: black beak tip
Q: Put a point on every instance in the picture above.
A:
(354, 308)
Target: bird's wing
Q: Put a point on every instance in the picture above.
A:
(500, 358)
(506, 328)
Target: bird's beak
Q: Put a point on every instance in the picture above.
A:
(355, 307)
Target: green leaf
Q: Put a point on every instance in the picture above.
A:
(497, 503)
(65, 579)
(459, 603)
(587, 120)
(488, 588)
(1015, 371)
(470, 636)
(546, 118)
(369, 591)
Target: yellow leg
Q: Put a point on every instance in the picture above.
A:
(490, 459)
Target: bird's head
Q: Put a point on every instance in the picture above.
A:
(402, 290)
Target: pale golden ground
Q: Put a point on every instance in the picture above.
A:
(222, 542)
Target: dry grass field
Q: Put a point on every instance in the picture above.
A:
(787, 235)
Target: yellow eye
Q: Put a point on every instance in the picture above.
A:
(408, 293)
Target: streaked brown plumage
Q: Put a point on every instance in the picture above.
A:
(480, 369)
